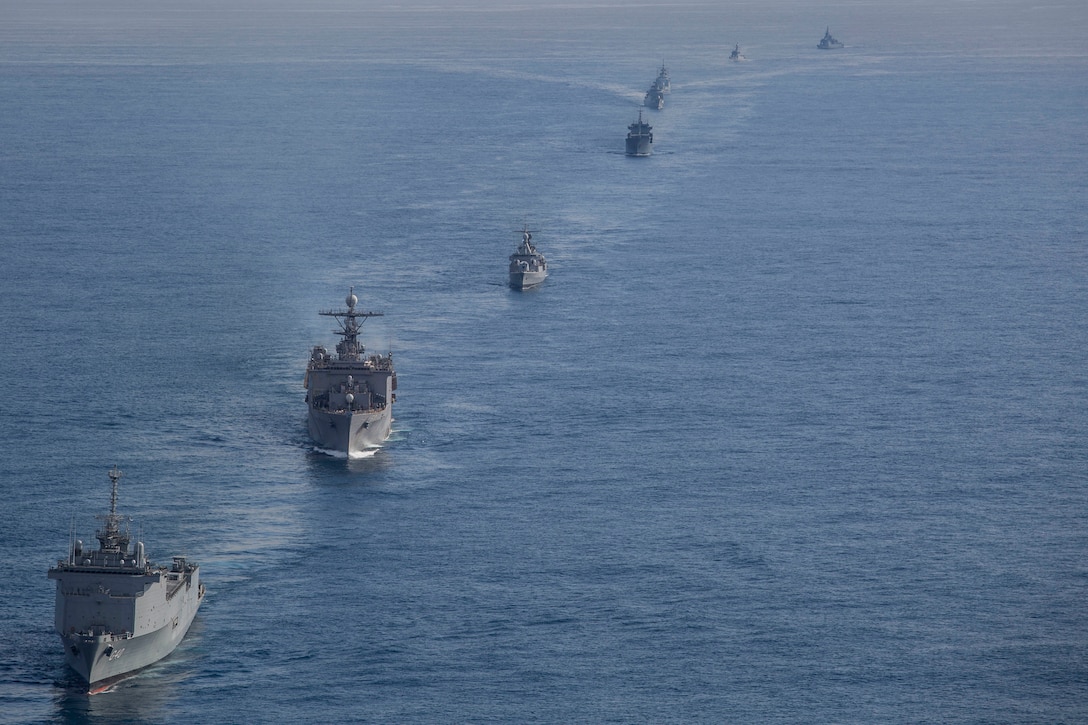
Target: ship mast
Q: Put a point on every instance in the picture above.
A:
(112, 538)
(349, 348)
(115, 476)
(527, 241)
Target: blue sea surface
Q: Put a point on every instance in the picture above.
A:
(796, 431)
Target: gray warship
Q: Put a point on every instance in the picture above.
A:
(640, 140)
(663, 83)
(349, 396)
(827, 42)
(528, 267)
(654, 98)
(116, 611)
(736, 54)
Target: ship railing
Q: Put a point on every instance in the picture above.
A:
(99, 566)
(374, 362)
(123, 634)
(373, 408)
(100, 630)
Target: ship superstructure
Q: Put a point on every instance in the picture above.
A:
(528, 267)
(350, 395)
(828, 42)
(116, 611)
(640, 139)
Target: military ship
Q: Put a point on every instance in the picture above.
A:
(349, 396)
(735, 55)
(116, 611)
(528, 267)
(663, 83)
(655, 98)
(640, 140)
(828, 42)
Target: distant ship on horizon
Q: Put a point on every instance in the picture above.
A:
(735, 55)
(655, 97)
(663, 83)
(828, 42)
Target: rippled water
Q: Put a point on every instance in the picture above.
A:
(795, 431)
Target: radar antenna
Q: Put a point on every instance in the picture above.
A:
(112, 538)
(349, 347)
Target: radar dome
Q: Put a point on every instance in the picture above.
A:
(352, 300)
(349, 398)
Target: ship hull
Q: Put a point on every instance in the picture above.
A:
(525, 280)
(350, 433)
(639, 147)
(102, 659)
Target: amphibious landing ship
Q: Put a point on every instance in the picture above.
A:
(116, 611)
(349, 396)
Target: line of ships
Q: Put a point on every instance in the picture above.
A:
(117, 611)
(640, 137)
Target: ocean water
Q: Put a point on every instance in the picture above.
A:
(796, 431)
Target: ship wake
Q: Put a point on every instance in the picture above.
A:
(354, 455)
